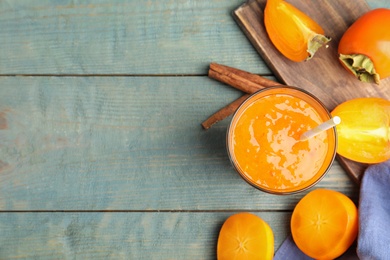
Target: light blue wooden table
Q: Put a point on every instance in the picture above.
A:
(102, 155)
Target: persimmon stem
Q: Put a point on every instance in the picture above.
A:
(361, 66)
(315, 43)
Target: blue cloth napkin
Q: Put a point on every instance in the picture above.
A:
(374, 220)
(374, 213)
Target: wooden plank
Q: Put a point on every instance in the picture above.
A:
(98, 143)
(323, 75)
(121, 37)
(120, 235)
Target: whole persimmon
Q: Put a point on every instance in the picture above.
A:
(364, 47)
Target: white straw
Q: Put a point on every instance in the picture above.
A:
(322, 127)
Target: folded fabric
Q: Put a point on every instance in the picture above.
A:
(374, 213)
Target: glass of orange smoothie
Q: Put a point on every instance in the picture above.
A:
(264, 146)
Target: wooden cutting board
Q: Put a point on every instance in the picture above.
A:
(323, 75)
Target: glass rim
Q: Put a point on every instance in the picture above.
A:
(238, 113)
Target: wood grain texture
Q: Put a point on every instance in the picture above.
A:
(120, 235)
(323, 75)
(74, 143)
(121, 37)
(73, 146)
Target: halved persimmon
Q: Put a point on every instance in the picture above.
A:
(245, 236)
(324, 224)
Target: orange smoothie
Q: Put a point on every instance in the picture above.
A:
(264, 146)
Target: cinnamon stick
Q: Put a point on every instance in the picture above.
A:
(224, 112)
(239, 79)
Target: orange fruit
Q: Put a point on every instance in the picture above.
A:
(245, 236)
(363, 134)
(324, 224)
(292, 32)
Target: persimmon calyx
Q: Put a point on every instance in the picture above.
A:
(316, 42)
(361, 66)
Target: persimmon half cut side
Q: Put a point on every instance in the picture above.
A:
(245, 236)
(292, 32)
(324, 224)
